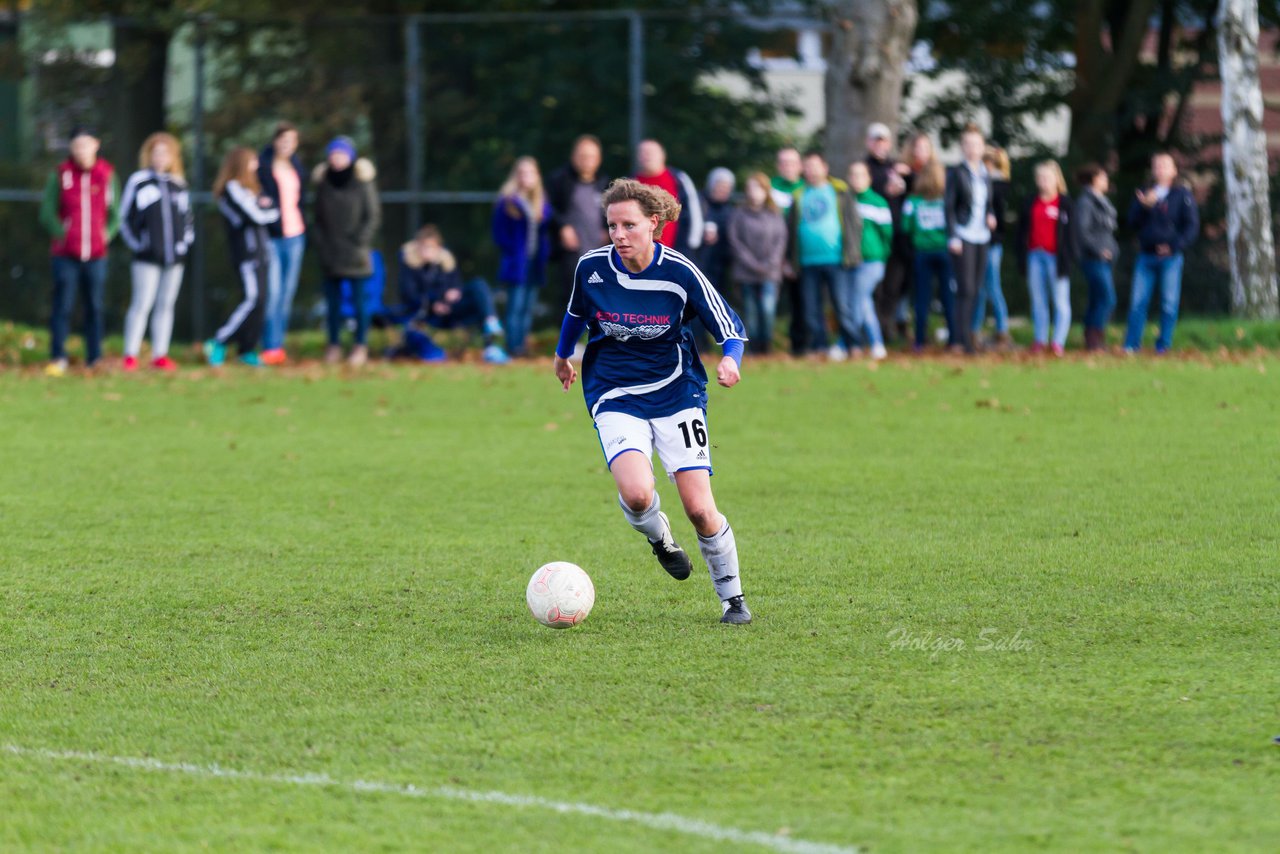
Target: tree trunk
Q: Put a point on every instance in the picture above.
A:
(1244, 161)
(1103, 75)
(142, 65)
(865, 72)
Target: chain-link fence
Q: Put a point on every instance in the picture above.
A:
(442, 103)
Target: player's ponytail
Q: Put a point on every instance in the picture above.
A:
(652, 200)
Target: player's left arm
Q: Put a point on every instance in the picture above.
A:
(723, 323)
(729, 371)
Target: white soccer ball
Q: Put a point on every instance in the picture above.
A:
(560, 595)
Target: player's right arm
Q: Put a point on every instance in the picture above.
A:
(566, 373)
(570, 331)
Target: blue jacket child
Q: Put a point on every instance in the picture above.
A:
(434, 295)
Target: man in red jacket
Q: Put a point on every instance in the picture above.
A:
(685, 234)
(81, 212)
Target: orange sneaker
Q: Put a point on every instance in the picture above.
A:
(273, 357)
(130, 363)
(164, 363)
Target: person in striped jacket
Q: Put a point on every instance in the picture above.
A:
(157, 224)
(81, 212)
(247, 213)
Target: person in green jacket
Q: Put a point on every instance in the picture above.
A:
(784, 185)
(877, 242)
(924, 218)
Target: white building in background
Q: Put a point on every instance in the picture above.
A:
(796, 77)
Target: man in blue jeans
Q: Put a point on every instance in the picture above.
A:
(81, 212)
(1167, 222)
(825, 245)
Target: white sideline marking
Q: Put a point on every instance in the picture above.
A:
(657, 821)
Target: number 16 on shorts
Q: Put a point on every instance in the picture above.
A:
(680, 439)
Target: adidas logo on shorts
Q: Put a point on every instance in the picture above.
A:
(702, 455)
(595, 279)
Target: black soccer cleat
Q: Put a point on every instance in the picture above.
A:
(737, 613)
(673, 558)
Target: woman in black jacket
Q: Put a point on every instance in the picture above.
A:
(970, 210)
(157, 225)
(347, 216)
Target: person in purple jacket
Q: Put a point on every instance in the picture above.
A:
(757, 250)
(521, 220)
(1167, 221)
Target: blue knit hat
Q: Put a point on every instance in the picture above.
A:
(341, 143)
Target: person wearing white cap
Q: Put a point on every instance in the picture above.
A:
(717, 211)
(885, 176)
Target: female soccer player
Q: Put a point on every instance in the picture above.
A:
(644, 382)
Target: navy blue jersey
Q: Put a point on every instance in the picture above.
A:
(641, 358)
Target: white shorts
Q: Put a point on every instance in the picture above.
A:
(680, 439)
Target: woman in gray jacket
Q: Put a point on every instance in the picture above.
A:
(757, 247)
(1095, 224)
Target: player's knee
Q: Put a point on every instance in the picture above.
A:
(703, 518)
(637, 499)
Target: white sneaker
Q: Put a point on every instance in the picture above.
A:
(837, 353)
(878, 352)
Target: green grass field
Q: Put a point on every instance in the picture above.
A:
(999, 607)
